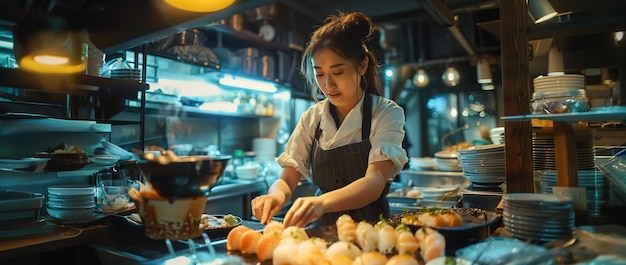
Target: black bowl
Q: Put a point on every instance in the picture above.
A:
(189, 176)
(66, 161)
(478, 225)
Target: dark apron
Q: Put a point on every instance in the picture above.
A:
(336, 168)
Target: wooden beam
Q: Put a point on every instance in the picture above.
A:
(515, 79)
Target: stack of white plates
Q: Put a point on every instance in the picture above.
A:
(264, 149)
(538, 217)
(128, 74)
(484, 164)
(559, 83)
(544, 156)
(71, 203)
(592, 180)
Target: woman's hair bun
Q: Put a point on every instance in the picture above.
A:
(358, 25)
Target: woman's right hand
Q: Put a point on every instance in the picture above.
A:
(264, 207)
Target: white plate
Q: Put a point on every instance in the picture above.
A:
(104, 159)
(71, 190)
(116, 150)
(21, 163)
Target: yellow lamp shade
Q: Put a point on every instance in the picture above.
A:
(200, 5)
(45, 45)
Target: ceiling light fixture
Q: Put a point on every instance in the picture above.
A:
(555, 61)
(48, 45)
(248, 83)
(420, 79)
(483, 72)
(540, 10)
(200, 6)
(451, 77)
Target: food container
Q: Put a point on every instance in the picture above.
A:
(19, 207)
(558, 102)
(477, 226)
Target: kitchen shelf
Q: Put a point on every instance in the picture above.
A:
(244, 37)
(615, 113)
(71, 83)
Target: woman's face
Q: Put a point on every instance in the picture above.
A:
(338, 79)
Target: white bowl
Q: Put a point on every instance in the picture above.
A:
(70, 215)
(56, 205)
(72, 190)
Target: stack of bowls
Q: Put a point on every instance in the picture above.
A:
(71, 203)
(484, 165)
(538, 217)
(247, 172)
(448, 161)
(497, 135)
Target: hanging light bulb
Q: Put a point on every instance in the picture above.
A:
(451, 76)
(200, 6)
(420, 79)
(483, 72)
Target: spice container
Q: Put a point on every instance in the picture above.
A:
(555, 102)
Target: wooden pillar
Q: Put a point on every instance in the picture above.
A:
(515, 83)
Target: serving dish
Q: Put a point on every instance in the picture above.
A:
(215, 228)
(478, 224)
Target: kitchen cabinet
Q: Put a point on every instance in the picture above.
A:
(515, 81)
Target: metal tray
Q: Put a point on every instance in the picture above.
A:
(17, 206)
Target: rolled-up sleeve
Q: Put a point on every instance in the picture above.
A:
(298, 149)
(387, 135)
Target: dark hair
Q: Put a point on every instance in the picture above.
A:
(346, 34)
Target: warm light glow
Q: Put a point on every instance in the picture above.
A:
(451, 77)
(51, 59)
(200, 5)
(420, 79)
(483, 72)
(28, 63)
(489, 87)
(247, 83)
(619, 36)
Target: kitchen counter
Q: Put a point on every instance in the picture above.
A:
(52, 237)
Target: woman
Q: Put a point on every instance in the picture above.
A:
(350, 142)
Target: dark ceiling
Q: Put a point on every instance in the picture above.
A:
(427, 31)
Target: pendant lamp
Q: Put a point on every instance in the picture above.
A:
(420, 79)
(540, 10)
(451, 77)
(555, 61)
(483, 72)
(200, 5)
(48, 45)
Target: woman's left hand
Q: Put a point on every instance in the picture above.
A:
(304, 211)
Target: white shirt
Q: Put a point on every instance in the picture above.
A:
(386, 134)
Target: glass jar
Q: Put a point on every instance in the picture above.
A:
(556, 102)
